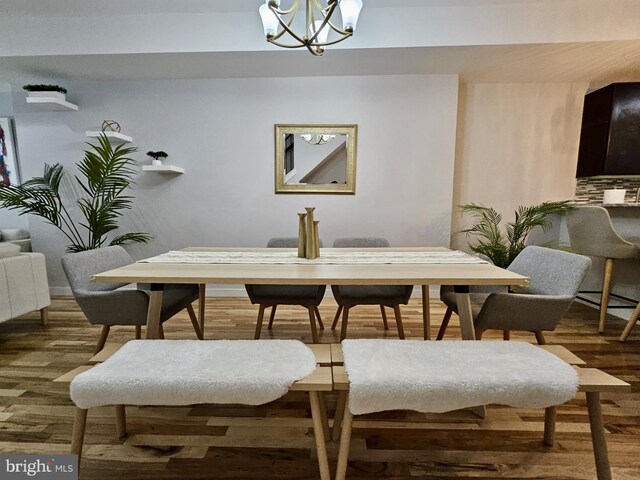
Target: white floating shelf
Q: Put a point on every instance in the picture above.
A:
(163, 169)
(52, 103)
(113, 136)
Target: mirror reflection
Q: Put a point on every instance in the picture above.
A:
(315, 158)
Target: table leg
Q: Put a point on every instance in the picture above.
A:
(464, 312)
(426, 314)
(201, 299)
(598, 436)
(155, 307)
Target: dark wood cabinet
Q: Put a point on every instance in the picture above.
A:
(610, 135)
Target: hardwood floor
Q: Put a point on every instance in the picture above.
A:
(274, 441)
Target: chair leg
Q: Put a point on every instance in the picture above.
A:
(345, 321)
(630, 324)
(312, 322)
(384, 317)
(479, 334)
(345, 441)
(161, 331)
(549, 426)
(259, 322)
(44, 316)
(606, 289)
(506, 335)
(138, 332)
(77, 438)
(272, 317)
(540, 338)
(202, 291)
(598, 439)
(103, 338)
(320, 324)
(121, 421)
(396, 310)
(194, 321)
(445, 323)
(337, 317)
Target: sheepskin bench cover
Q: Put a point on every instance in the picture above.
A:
(188, 372)
(439, 377)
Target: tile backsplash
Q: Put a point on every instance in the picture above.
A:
(590, 189)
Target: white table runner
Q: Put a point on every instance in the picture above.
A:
(326, 258)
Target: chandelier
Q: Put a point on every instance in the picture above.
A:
(317, 139)
(277, 21)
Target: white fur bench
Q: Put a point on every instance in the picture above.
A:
(190, 372)
(446, 376)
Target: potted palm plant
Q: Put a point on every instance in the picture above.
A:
(157, 157)
(501, 245)
(106, 176)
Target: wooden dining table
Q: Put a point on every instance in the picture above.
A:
(460, 275)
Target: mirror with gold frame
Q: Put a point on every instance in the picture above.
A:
(316, 158)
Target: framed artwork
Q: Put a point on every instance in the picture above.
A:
(9, 168)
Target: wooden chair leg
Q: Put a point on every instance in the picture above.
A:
(540, 338)
(337, 317)
(44, 316)
(202, 294)
(630, 324)
(272, 317)
(259, 322)
(318, 432)
(320, 324)
(396, 310)
(506, 335)
(103, 338)
(121, 421)
(77, 438)
(161, 331)
(384, 317)
(194, 321)
(345, 441)
(479, 334)
(598, 439)
(606, 289)
(426, 313)
(337, 420)
(445, 323)
(314, 328)
(138, 332)
(549, 426)
(345, 321)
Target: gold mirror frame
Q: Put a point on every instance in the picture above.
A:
(351, 131)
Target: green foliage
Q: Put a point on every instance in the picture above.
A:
(502, 246)
(44, 88)
(107, 173)
(157, 155)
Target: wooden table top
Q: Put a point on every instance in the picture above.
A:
(296, 274)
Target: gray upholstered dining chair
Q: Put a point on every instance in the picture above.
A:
(107, 304)
(348, 296)
(555, 277)
(591, 233)
(308, 296)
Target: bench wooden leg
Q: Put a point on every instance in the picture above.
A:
(325, 418)
(345, 321)
(103, 338)
(315, 309)
(337, 421)
(194, 321)
(259, 322)
(384, 317)
(549, 426)
(603, 468)
(202, 290)
(336, 318)
(396, 311)
(121, 421)
(314, 328)
(630, 324)
(272, 317)
(77, 438)
(44, 316)
(345, 442)
(445, 323)
(318, 431)
(426, 314)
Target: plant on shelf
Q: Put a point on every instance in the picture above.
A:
(44, 88)
(106, 175)
(157, 157)
(500, 245)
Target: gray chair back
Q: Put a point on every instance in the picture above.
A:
(79, 267)
(552, 272)
(285, 242)
(361, 242)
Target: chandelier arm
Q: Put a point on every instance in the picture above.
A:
(286, 28)
(325, 20)
(326, 44)
(315, 53)
(284, 45)
(293, 8)
(338, 30)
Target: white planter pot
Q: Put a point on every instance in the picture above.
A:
(59, 95)
(157, 163)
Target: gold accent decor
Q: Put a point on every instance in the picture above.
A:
(316, 237)
(311, 239)
(302, 235)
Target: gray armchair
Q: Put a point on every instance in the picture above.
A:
(308, 296)
(105, 304)
(555, 277)
(348, 296)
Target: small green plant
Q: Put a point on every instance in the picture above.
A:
(44, 88)
(107, 174)
(502, 246)
(157, 155)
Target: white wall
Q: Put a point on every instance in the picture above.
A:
(517, 145)
(221, 132)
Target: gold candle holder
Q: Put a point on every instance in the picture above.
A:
(310, 248)
(302, 235)
(316, 237)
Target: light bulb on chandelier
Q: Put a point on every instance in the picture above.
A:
(277, 22)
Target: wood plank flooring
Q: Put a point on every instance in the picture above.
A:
(274, 441)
